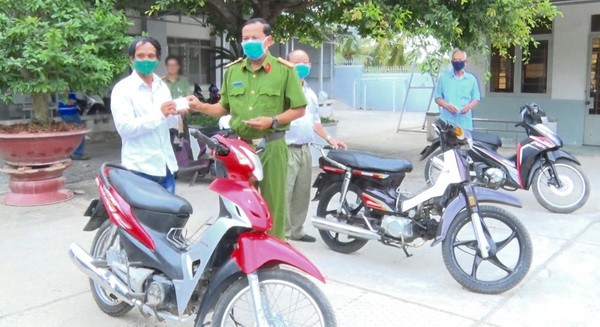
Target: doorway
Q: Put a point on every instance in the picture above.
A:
(591, 134)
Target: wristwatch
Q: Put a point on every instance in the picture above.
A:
(275, 123)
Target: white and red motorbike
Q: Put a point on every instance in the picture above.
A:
(558, 182)
(226, 274)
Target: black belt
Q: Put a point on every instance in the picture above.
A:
(298, 146)
(270, 137)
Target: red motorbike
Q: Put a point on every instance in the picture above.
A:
(226, 274)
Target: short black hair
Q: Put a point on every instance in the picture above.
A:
(266, 26)
(172, 57)
(143, 40)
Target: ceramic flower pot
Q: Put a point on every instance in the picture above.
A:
(35, 163)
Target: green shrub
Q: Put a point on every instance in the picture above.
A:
(202, 120)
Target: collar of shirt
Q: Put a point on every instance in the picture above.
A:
(311, 97)
(268, 62)
(452, 74)
(137, 81)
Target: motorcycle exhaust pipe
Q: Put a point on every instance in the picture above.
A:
(357, 232)
(101, 276)
(113, 284)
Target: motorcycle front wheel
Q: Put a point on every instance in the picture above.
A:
(574, 187)
(289, 299)
(432, 172)
(505, 267)
(327, 209)
(105, 238)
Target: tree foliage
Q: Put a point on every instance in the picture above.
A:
(370, 52)
(468, 24)
(47, 46)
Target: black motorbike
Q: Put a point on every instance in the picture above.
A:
(485, 248)
(558, 183)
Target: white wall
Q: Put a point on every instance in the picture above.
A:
(569, 55)
(188, 31)
(570, 50)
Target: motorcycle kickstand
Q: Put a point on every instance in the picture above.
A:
(408, 255)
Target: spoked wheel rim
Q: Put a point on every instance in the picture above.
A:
(503, 260)
(99, 253)
(434, 168)
(352, 207)
(571, 192)
(285, 303)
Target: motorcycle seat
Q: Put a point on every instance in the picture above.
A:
(490, 139)
(141, 193)
(370, 162)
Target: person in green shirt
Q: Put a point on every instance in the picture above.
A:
(179, 87)
(263, 94)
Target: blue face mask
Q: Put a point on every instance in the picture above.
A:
(253, 49)
(303, 70)
(458, 65)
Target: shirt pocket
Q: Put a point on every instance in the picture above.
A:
(236, 97)
(269, 101)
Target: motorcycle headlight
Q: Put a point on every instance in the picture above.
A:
(459, 133)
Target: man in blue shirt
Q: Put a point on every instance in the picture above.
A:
(457, 93)
(69, 113)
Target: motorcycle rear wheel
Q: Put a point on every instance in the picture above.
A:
(292, 300)
(574, 191)
(328, 203)
(106, 238)
(502, 270)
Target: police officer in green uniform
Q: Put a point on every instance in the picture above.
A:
(263, 94)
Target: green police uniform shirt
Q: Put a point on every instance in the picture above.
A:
(270, 90)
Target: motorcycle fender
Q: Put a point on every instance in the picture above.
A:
(322, 181)
(459, 203)
(552, 156)
(560, 154)
(97, 214)
(428, 150)
(225, 276)
(256, 250)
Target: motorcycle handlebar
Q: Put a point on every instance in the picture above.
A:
(211, 143)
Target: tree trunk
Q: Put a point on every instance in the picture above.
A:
(40, 113)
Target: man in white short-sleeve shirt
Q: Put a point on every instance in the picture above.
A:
(298, 139)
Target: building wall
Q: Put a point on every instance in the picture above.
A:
(568, 73)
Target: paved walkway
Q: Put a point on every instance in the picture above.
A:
(377, 286)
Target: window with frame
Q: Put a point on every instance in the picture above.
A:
(534, 72)
(530, 76)
(502, 70)
(196, 58)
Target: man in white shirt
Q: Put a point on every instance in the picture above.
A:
(140, 105)
(298, 139)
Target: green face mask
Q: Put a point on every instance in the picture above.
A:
(145, 67)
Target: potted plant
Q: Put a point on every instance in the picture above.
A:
(47, 47)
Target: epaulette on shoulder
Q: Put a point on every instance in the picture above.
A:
(234, 62)
(285, 62)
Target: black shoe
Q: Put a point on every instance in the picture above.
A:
(306, 238)
(79, 158)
